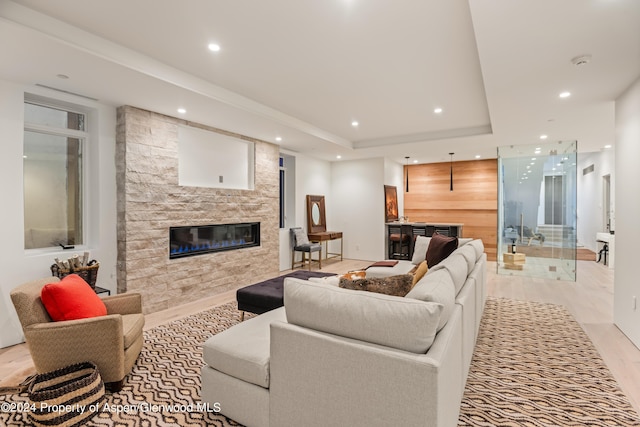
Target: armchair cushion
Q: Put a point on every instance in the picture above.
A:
(70, 299)
(132, 325)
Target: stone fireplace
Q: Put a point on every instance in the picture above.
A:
(151, 204)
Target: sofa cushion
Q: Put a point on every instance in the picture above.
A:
(330, 280)
(478, 246)
(398, 285)
(469, 254)
(420, 249)
(457, 267)
(71, 298)
(436, 286)
(440, 247)
(463, 241)
(242, 351)
(401, 323)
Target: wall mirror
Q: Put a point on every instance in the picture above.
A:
(316, 218)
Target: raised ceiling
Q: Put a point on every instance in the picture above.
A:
(305, 70)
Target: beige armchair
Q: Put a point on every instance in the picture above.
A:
(113, 342)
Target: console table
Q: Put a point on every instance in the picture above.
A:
(415, 229)
(326, 236)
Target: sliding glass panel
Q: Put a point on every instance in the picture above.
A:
(537, 219)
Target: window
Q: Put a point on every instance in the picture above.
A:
(54, 138)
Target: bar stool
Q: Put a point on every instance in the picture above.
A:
(399, 239)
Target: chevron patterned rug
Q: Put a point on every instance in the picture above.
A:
(533, 366)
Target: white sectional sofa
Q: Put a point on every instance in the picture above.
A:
(333, 356)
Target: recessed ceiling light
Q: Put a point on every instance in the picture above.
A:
(544, 136)
(533, 158)
(607, 146)
(553, 169)
(338, 156)
(354, 124)
(213, 47)
(565, 94)
(415, 161)
(278, 138)
(437, 110)
(181, 110)
(478, 156)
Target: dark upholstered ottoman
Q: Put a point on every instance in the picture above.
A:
(265, 296)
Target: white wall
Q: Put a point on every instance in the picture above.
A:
(358, 207)
(19, 266)
(394, 175)
(590, 195)
(627, 213)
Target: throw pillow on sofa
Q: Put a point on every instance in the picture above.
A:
(71, 298)
(419, 272)
(399, 285)
(420, 249)
(440, 247)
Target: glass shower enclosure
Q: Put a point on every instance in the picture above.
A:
(537, 217)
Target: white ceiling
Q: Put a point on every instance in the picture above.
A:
(304, 70)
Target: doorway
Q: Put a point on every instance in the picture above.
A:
(606, 202)
(554, 207)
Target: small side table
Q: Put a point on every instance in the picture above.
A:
(100, 290)
(514, 261)
(326, 236)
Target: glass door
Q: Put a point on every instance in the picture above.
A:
(537, 220)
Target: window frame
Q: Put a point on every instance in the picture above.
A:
(84, 137)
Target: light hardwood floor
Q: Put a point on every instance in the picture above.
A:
(589, 299)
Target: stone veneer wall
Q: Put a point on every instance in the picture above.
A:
(150, 201)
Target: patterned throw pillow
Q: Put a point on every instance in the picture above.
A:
(301, 237)
(399, 285)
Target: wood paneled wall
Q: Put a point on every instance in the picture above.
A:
(473, 201)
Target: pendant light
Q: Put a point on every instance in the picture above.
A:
(407, 180)
(451, 173)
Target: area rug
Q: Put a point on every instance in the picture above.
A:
(163, 388)
(534, 366)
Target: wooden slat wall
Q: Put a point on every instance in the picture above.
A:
(473, 201)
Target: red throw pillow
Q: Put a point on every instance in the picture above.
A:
(440, 247)
(71, 298)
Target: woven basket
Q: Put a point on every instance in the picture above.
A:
(89, 273)
(66, 397)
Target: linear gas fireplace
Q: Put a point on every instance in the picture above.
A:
(197, 240)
